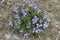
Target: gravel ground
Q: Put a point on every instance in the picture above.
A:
(53, 10)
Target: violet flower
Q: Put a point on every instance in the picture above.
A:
(24, 12)
(38, 25)
(25, 35)
(28, 25)
(24, 0)
(19, 21)
(16, 16)
(31, 4)
(46, 24)
(37, 9)
(35, 19)
(35, 31)
(45, 17)
(15, 9)
(40, 20)
(39, 4)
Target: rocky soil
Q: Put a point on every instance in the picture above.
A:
(51, 7)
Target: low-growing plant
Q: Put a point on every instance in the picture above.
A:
(29, 20)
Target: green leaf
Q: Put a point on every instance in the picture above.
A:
(26, 5)
(18, 27)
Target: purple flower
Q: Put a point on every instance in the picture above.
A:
(19, 21)
(39, 4)
(46, 17)
(10, 23)
(38, 25)
(46, 24)
(31, 4)
(25, 35)
(34, 28)
(16, 16)
(23, 0)
(15, 9)
(37, 9)
(40, 21)
(35, 31)
(28, 25)
(24, 12)
(35, 19)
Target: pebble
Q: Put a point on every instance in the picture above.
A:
(7, 36)
(48, 38)
(59, 32)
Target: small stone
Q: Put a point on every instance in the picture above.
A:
(17, 38)
(7, 36)
(57, 26)
(48, 38)
(59, 32)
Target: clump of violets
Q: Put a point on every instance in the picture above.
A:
(29, 20)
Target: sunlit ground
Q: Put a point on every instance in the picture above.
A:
(53, 10)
